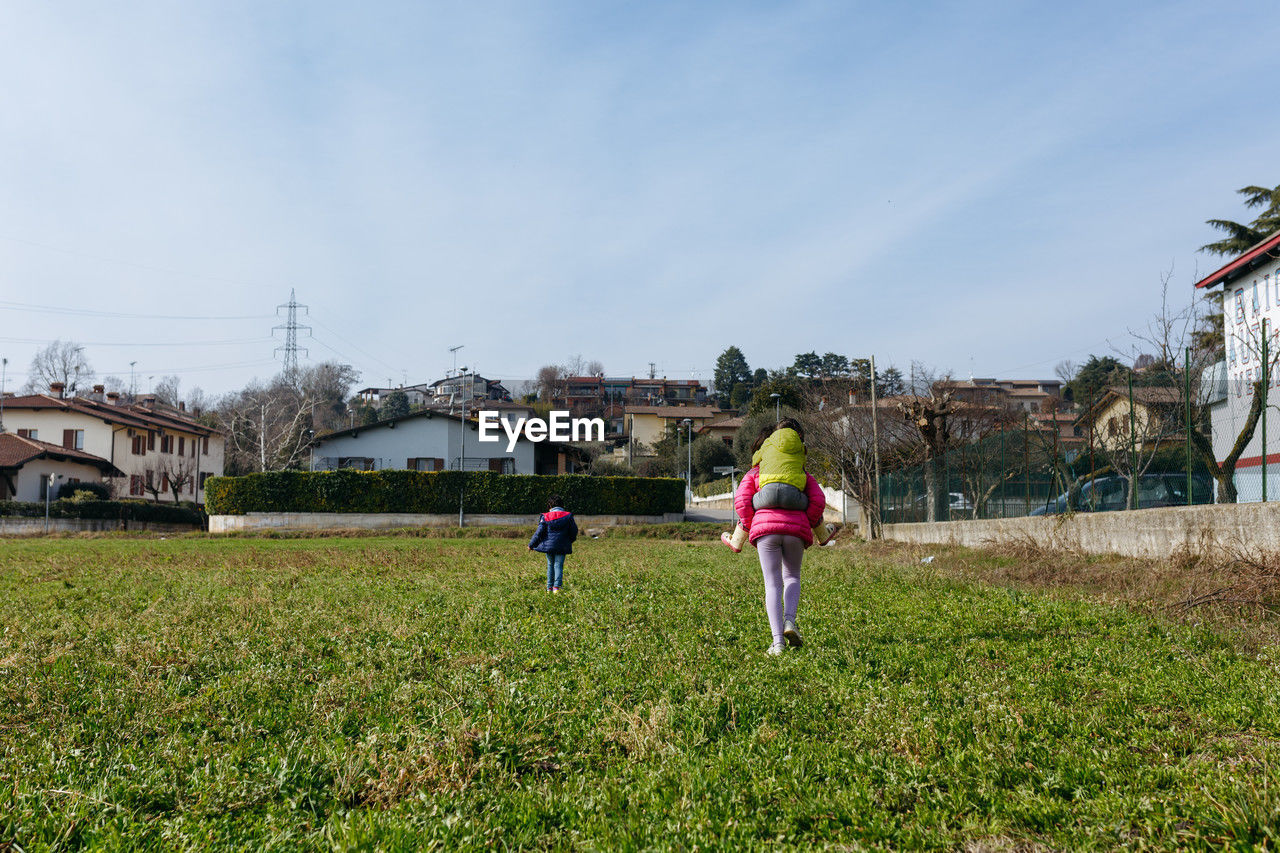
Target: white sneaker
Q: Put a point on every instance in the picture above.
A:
(792, 634)
(776, 649)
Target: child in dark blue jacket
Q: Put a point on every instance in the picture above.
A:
(554, 537)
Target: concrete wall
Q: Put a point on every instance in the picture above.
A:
(15, 526)
(1136, 533)
(389, 520)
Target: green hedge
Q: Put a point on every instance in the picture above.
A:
(127, 510)
(424, 492)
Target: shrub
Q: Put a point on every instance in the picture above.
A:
(126, 510)
(97, 491)
(438, 492)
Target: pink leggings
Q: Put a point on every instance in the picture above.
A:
(780, 558)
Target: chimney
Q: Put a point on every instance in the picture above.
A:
(113, 398)
(57, 389)
(182, 407)
(98, 391)
(149, 400)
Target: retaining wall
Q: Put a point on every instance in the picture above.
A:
(389, 520)
(1133, 533)
(12, 525)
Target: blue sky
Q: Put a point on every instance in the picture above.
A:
(985, 187)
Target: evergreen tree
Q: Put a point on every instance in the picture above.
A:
(395, 406)
(1241, 237)
(808, 365)
(731, 370)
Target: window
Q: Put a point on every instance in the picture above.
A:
(182, 445)
(205, 451)
(151, 479)
(136, 486)
(29, 433)
(359, 463)
(73, 439)
(204, 475)
(166, 444)
(425, 463)
(139, 445)
(151, 440)
(502, 466)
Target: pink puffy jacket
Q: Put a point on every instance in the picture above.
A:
(788, 522)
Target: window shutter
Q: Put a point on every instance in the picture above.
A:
(182, 445)
(69, 438)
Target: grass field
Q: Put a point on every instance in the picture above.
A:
(398, 693)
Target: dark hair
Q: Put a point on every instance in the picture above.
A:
(791, 423)
(765, 432)
(554, 501)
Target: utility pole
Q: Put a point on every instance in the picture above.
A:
(291, 327)
(4, 369)
(875, 443)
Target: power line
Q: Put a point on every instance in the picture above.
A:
(6, 305)
(144, 343)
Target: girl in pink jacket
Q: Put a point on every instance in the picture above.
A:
(780, 537)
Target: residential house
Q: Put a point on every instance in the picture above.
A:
(454, 389)
(1025, 395)
(590, 394)
(1155, 421)
(153, 447)
(28, 466)
(434, 440)
(648, 424)
(1250, 304)
(725, 429)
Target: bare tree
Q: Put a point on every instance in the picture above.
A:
(175, 474)
(842, 442)
(928, 414)
(167, 390)
(551, 382)
(61, 361)
(1180, 335)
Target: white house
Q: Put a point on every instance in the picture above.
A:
(28, 466)
(1251, 302)
(151, 446)
(433, 440)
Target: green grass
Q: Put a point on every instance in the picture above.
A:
(401, 693)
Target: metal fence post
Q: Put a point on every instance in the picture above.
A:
(1266, 380)
(1003, 471)
(1026, 463)
(1133, 449)
(1186, 392)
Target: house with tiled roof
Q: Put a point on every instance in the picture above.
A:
(157, 452)
(28, 467)
(648, 424)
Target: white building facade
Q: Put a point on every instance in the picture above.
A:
(1250, 315)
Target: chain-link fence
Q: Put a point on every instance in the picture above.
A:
(1184, 437)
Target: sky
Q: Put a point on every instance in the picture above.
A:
(984, 188)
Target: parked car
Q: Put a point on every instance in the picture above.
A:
(1112, 493)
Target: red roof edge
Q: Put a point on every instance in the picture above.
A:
(1224, 273)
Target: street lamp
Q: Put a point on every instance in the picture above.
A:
(777, 416)
(688, 469)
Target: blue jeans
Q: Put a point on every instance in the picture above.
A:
(555, 570)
